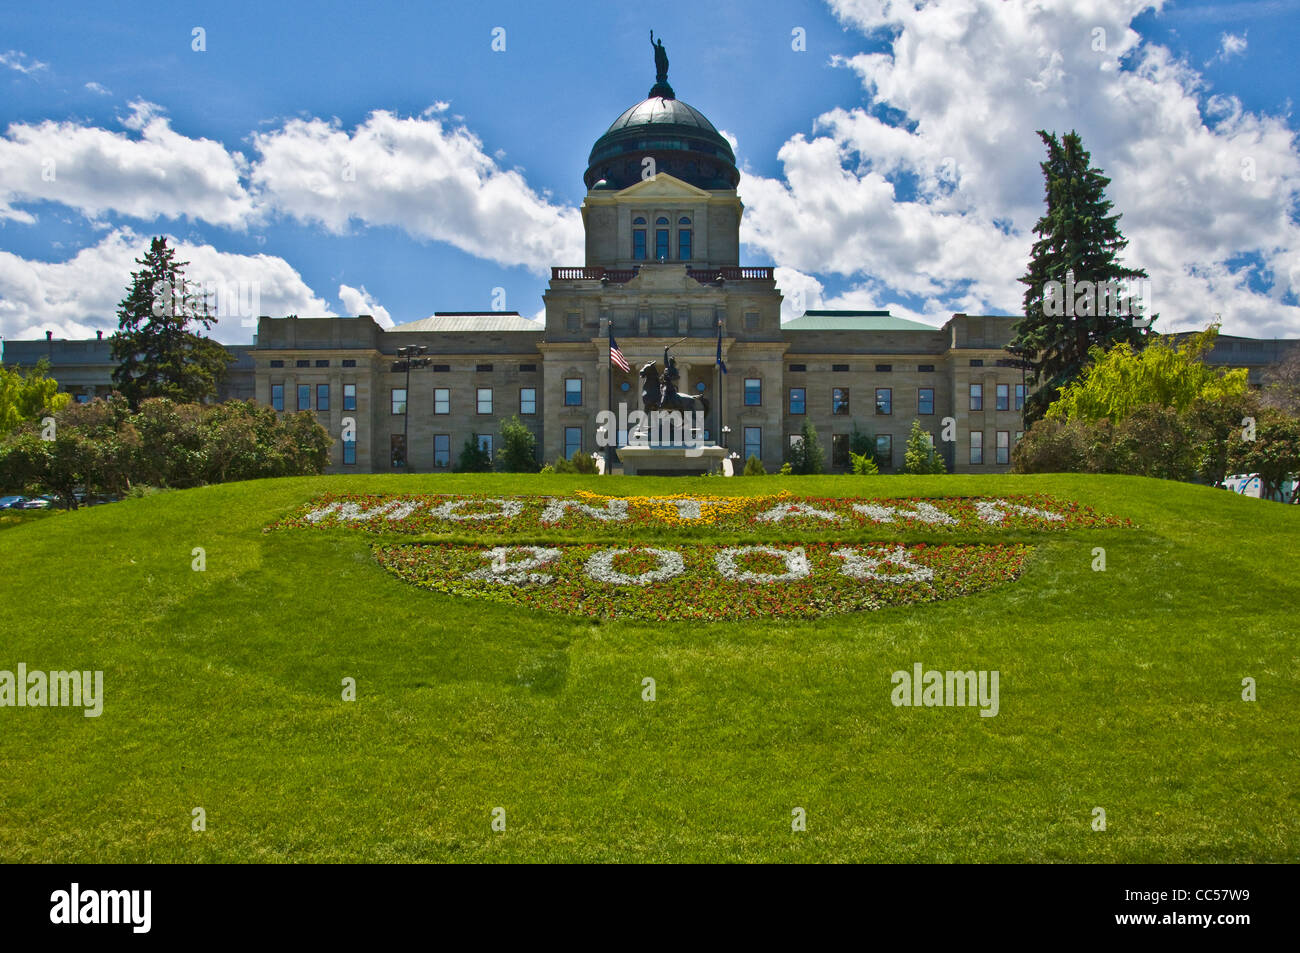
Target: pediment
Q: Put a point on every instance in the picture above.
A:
(663, 185)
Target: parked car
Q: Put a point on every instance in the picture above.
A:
(36, 504)
(11, 502)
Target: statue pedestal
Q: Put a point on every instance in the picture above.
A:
(671, 460)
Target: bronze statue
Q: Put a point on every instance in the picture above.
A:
(661, 59)
(659, 392)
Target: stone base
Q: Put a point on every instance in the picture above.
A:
(671, 461)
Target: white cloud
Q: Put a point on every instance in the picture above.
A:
(358, 301)
(974, 81)
(1231, 44)
(156, 173)
(429, 178)
(21, 62)
(76, 297)
(99, 89)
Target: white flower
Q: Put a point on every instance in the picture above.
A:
(924, 512)
(796, 563)
(517, 572)
(782, 510)
(995, 511)
(392, 510)
(448, 510)
(614, 511)
(600, 567)
(859, 565)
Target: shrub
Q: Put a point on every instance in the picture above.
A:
(786, 469)
(921, 455)
(863, 464)
(754, 467)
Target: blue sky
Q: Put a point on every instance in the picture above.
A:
(890, 164)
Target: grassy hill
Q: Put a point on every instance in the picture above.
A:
(1119, 689)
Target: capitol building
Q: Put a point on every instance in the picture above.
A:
(662, 219)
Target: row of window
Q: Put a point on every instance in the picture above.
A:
(798, 403)
(661, 237)
(483, 398)
(319, 362)
(844, 368)
(322, 396)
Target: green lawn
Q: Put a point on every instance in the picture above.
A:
(1119, 689)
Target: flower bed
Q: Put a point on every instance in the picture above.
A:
(499, 516)
(708, 582)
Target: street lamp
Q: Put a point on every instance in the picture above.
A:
(409, 355)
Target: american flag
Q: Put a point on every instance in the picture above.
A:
(616, 356)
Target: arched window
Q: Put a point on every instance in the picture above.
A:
(683, 221)
(684, 238)
(638, 238)
(661, 238)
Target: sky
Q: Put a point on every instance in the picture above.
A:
(398, 159)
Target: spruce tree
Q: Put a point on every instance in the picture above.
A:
(158, 349)
(1079, 241)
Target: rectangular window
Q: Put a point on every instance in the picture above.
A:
(483, 368)
(349, 362)
(277, 363)
(442, 450)
(573, 392)
(441, 400)
(925, 368)
(751, 321)
(441, 368)
(840, 451)
(754, 442)
(349, 396)
(753, 392)
(976, 396)
(277, 396)
(884, 401)
(484, 441)
(976, 446)
(1019, 434)
(798, 368)
(572, 441)
(323, 363)
(885, 451)
(322, 396)
(798, 400)
(638, 244)
(528, 400)
(485, 400)
(977, 362)
(661, 244)
(399, 400)
(527, 368)
(349, 453)
(840, 368)
(925, 400)
(1020, 396)
(301, 363)
(1004, 447)
(684, 244)
(1003, 397)
(884, 368)
(839, 400)
(397, 450)
(304, 397)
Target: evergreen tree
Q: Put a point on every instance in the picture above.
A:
(920, 455)
(473, 458)
(158, 349)
(1073, 295)
(805, 454)
(518, 447)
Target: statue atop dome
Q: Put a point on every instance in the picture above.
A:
(661, 87)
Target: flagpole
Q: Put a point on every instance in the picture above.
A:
(610, 438)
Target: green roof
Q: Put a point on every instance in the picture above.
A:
(853, 321)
